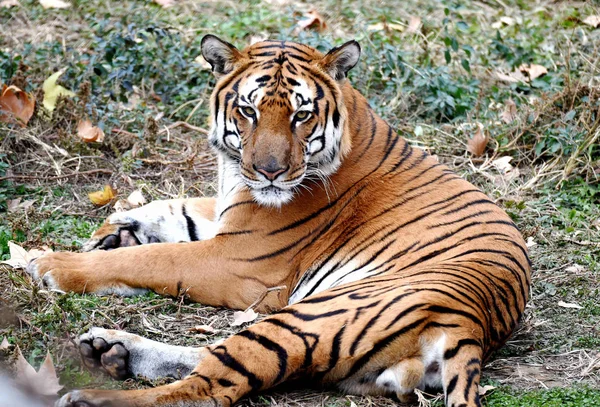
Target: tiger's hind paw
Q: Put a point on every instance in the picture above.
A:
(110, 356)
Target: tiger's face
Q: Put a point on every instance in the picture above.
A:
(278, 114)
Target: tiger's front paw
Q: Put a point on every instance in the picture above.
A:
(123, 229)
(54, 270)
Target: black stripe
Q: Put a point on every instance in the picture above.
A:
(450, 353)
(191, 226)
(221, 353)
(268, 344)
(311, 317)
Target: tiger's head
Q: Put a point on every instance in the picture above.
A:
(278, 112)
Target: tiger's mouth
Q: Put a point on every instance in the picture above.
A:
(272, 195)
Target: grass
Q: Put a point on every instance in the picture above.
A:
(134, 68)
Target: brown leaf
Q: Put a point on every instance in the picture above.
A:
(103, 197)
(16, 106)
(165, 3)
(203, 329)
(44, 382)
(414, 24)
(533, 71)
(89, 133)
(4, 344)
(592, 21)
(510, 112)
(313, 20)
(241, 317)
(54, 4)
(477, 144)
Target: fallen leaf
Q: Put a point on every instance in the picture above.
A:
(477, 144)
(569, 305)
(136, 198)
(9, 3)
(4, 344)
(376, 27)
(533, 71)
(502, 164)
(103, 197)
(16, 106)
(313, 20)
(575, 268)
(52, 91)
(483, 390)
(19, 258)
(592, 21)
(165, 3)
(44, 382)
(414, 24)
(203, 329)
(241, 317)
(530, 242)
(54, 4)
(89, 133)
(513, 77)
(510, 112)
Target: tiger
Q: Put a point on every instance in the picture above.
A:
(382, 270)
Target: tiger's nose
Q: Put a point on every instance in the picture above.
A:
(271, 170)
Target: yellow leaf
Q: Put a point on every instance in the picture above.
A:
(52, 91)
(103, 197)
(54, 4)
(89, 133)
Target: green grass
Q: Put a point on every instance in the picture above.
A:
(135, 70)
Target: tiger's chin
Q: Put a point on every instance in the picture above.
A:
(272, 196)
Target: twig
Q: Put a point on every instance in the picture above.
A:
(184, 124)
(40, 177)
(263, 295)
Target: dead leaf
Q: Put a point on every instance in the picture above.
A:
(134, 200)
(483, 390)
(575, 268)
(104, 196)
(533, 71)
(52, 91)
(89, 133)
(242, 317)
(54, 4)
(477, 144)
(4, 344)
(510, 112)
(20, 258)
(203, 329)
(513, 77)
(530, 242)
(414, 24)
(312, 20)
(165, 3)
(569, 305)
(9, 3)
(592, 21)
(502, 164)
(16, 106)
(15, 205)
(44, 382)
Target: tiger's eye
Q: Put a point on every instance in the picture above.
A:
(302, 115)
(248, 111)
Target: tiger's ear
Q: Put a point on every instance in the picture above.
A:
(341, 59)
(221, 55)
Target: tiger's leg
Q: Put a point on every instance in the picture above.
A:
(174, 220)
(122, 354)
(368, 338)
